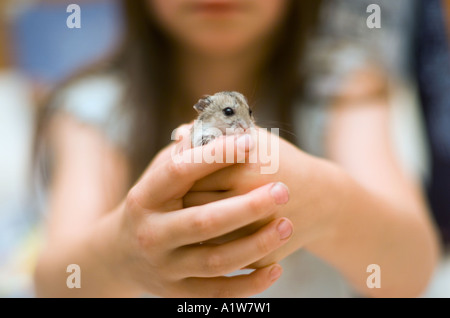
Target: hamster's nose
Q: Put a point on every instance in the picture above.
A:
(243, 125)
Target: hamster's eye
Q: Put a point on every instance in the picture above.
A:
(228, 111)
(250, 112)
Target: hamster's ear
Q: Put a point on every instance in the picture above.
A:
(241, 97)
(203, 102)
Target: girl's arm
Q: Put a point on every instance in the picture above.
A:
(384, 217)
(379, 215)
(89, 179)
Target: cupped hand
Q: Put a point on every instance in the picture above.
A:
(293, 168)
(162, 247)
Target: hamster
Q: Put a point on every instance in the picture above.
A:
(219, 114)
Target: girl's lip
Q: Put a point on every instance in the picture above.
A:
(218, 7)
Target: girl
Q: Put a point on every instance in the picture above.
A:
(137, 222)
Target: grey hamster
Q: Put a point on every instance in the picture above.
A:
(219, 112)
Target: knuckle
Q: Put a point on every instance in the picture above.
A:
(177, 169)
(258, 284)
(203, 222)
(143, 240)
(148, 238)
(264, 243)
(132, 199)
(255, 206)
(261, 205)
(137, 200)
(133, 209)
(214, 264)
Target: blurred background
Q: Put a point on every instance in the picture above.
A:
(38, 51)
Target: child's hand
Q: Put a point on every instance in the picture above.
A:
(294, 171)
(159, 241)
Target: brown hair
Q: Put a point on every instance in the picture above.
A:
(144, 62)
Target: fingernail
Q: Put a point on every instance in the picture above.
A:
(284, 228)
(280, 193)
(275, 272)
(245, 143)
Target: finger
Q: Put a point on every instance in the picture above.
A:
(217, 260)
(223, 179)
(183, 136)
(173, 178)
(235, 286)
(183, 130)
(227, 178)
(162, 156)
(247, 175)
(199, 224)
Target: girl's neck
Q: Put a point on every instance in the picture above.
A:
(200, 74)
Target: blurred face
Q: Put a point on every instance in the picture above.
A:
(218, 27)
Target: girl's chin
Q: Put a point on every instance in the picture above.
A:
(218, 46)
